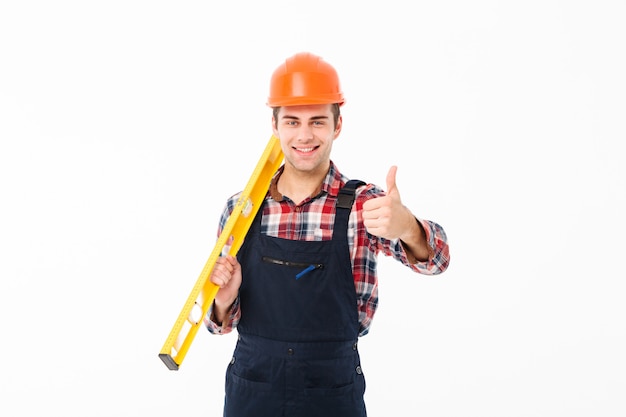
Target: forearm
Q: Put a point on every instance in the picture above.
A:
(438, 248)
(221, 312)
(415, 243)
(223, 320)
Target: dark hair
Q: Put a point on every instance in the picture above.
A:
(334, 108)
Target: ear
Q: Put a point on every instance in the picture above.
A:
(274, 129)
(338, 127)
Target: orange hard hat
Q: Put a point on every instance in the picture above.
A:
(304, 79)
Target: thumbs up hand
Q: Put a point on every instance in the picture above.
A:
(386, 216)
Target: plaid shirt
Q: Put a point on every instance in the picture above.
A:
(312, 220)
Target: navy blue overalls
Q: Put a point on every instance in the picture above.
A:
(296, 353)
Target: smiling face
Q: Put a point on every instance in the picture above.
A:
(306, 135)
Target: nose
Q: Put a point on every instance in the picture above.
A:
(305, 133)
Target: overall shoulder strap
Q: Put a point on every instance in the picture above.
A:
(346, 194)
(343, 207)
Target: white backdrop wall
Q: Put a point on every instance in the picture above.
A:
(125, 125)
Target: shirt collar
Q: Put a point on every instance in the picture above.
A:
(331, 185)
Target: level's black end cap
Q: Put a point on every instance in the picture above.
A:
(168, 361)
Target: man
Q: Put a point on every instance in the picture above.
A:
(303, 287)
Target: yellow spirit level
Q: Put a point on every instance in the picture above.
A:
(203, 293)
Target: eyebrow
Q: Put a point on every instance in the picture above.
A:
(287, 116)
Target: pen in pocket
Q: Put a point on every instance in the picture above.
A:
(305, 271)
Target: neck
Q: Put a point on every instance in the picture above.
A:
(298, 185)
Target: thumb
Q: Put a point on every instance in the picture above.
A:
(391, 180)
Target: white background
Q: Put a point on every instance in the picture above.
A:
(125, 125)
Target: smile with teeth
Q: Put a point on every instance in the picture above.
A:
(306, 150)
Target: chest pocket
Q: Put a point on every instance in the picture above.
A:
(300, 269)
